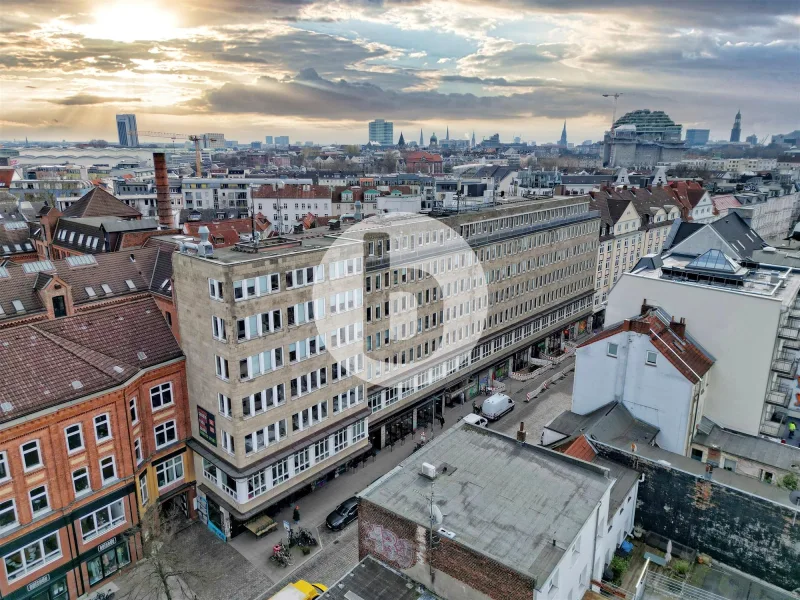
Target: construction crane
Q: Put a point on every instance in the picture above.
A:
(763, 139)
(181, 136)
(614, 114)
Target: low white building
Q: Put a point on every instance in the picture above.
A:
(652, 366)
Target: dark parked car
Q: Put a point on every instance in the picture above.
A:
(343, 514)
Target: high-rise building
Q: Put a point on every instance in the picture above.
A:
(127, 131)
(697, 137)
(563, 140)
(269, 141)
(381, 132)
(752, 139)
(736, 132)
(282, 140)
(213, 140)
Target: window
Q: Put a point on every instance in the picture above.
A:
(32, 557)
(340, 440)
(80, 481)
(222, 367)
(322, 450)
(39, 502)
(227, 442)
(650, 358)
(137, 451)
(215, 289)
(612, 349)
(166, 433)
(169, 471)
(301, 460)
(359, 431)
(161, 395)
(280, 471)
(218, 328)
(108, 470)
(134, 411)
(102, 428)
(224, 405)
(74, 438)
(4, 472)
(31, 456)
(102, 520)
(8, 514)
(697, 454)
(143, 491)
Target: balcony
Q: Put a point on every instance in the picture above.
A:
(794, 312)
(779, 394)
(792, 344)
(789, 332)
(785, 363)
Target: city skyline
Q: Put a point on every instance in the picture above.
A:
(317, 69)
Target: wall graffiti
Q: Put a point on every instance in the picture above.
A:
(387, 545)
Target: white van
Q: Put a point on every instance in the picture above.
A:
(474, 419)
(496, 406)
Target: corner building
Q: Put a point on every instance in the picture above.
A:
(307, 352)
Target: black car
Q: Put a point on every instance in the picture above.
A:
(343, 514)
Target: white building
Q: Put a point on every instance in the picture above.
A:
(223, 193)
(652, 366)
(747, 318)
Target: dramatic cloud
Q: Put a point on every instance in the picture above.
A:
(321, 68)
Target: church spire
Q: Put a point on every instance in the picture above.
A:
(563, 141)
(447, 135)
(402, 141)
(421, 139)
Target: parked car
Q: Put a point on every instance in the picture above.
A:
(343, 514)
(477, 420)
(496, 406)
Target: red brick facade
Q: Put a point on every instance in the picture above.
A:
(397, 542)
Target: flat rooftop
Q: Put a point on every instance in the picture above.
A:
(518, 504)
(372, 580)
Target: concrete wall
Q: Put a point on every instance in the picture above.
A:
(741, 529)
(737, 329)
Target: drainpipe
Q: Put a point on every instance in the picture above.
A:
(594, 543)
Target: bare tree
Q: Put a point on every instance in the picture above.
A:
(161, 574)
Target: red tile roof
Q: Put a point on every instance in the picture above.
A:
(6, 175)
(580, 448)
(226, 232)
(421, 155)
(293, 191)
(724, 202)
(53, 362)
(670, 339)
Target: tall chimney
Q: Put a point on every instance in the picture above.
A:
(162, 190)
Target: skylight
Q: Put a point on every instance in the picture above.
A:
(90, 291)
(18, 306)
(3, 272)
(714, 260)
(106, 288)
(39, 265)
(81, 260)
(15, 225)
(130, 284)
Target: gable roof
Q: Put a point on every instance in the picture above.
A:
(53, 362)
(669, 338)
(99, 203)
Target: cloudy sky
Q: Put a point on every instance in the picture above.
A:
(319, 70)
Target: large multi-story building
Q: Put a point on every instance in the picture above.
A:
(286, 205)
(127, 131)
(226, 193)
(381, 132)
(303, 347)
(213, 140)
(88, 445)
(697, 137)
(282, 141)
(736, 130)
(643, 139)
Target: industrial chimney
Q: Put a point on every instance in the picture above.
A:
(162, 190)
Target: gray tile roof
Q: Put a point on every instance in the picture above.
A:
(751, 447)
(505, 500)
(99, 203)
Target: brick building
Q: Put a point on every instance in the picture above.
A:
(86, 444)
(518, 521)
(424, 162)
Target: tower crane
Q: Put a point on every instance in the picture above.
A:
(614, 114)
(181, 136)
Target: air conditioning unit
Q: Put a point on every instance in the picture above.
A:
(428, 470)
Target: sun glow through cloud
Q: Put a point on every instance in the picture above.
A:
(130, 22)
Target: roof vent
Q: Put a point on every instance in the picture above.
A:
(118, 369)
(428, 470)
(6, 407)
(141, 355)
(76, 385)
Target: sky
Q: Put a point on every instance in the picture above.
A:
(320, 70)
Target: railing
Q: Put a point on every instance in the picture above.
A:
(794, 312)
(785, 363)
(789, 333)
(779, 394)
(792, 344)
(544, 385)
(674, 588)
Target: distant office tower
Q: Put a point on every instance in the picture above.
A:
(269, 141)
(697, 137)
(127, 130)
(736, 132)
(255, 145)
(563, 140)
(752, 139)
(382, 132)
(282, 140)
(213, 140)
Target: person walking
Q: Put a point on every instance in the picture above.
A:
(296, 515)
(792, 429)
(475, 409)
(441, 421)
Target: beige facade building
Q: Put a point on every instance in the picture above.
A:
(305, 351)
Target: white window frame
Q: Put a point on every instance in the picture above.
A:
(133, 407)
(22, 452)
(41, 511)
(224, 406)
(163, 429)
(13, 510)
(26, 569)
(613, 354)
(215, 289)
(161, 389)
(5, 467)
(144, 491)
(170, 466)
(67, 435)
(85, 474)
(648, 354)
(218, 330)
(97, 421)
(103, 463)
(221, 367)
(137, 451)
(111, 522)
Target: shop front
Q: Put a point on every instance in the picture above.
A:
(106, 559)
(50, 586)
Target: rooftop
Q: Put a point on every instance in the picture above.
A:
(99, 203)
(611, 423)
(764, 451)
(52, 362)
(519, 504)
(372, 580)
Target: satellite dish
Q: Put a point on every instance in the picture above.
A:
(436, 515)
(794, 497)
